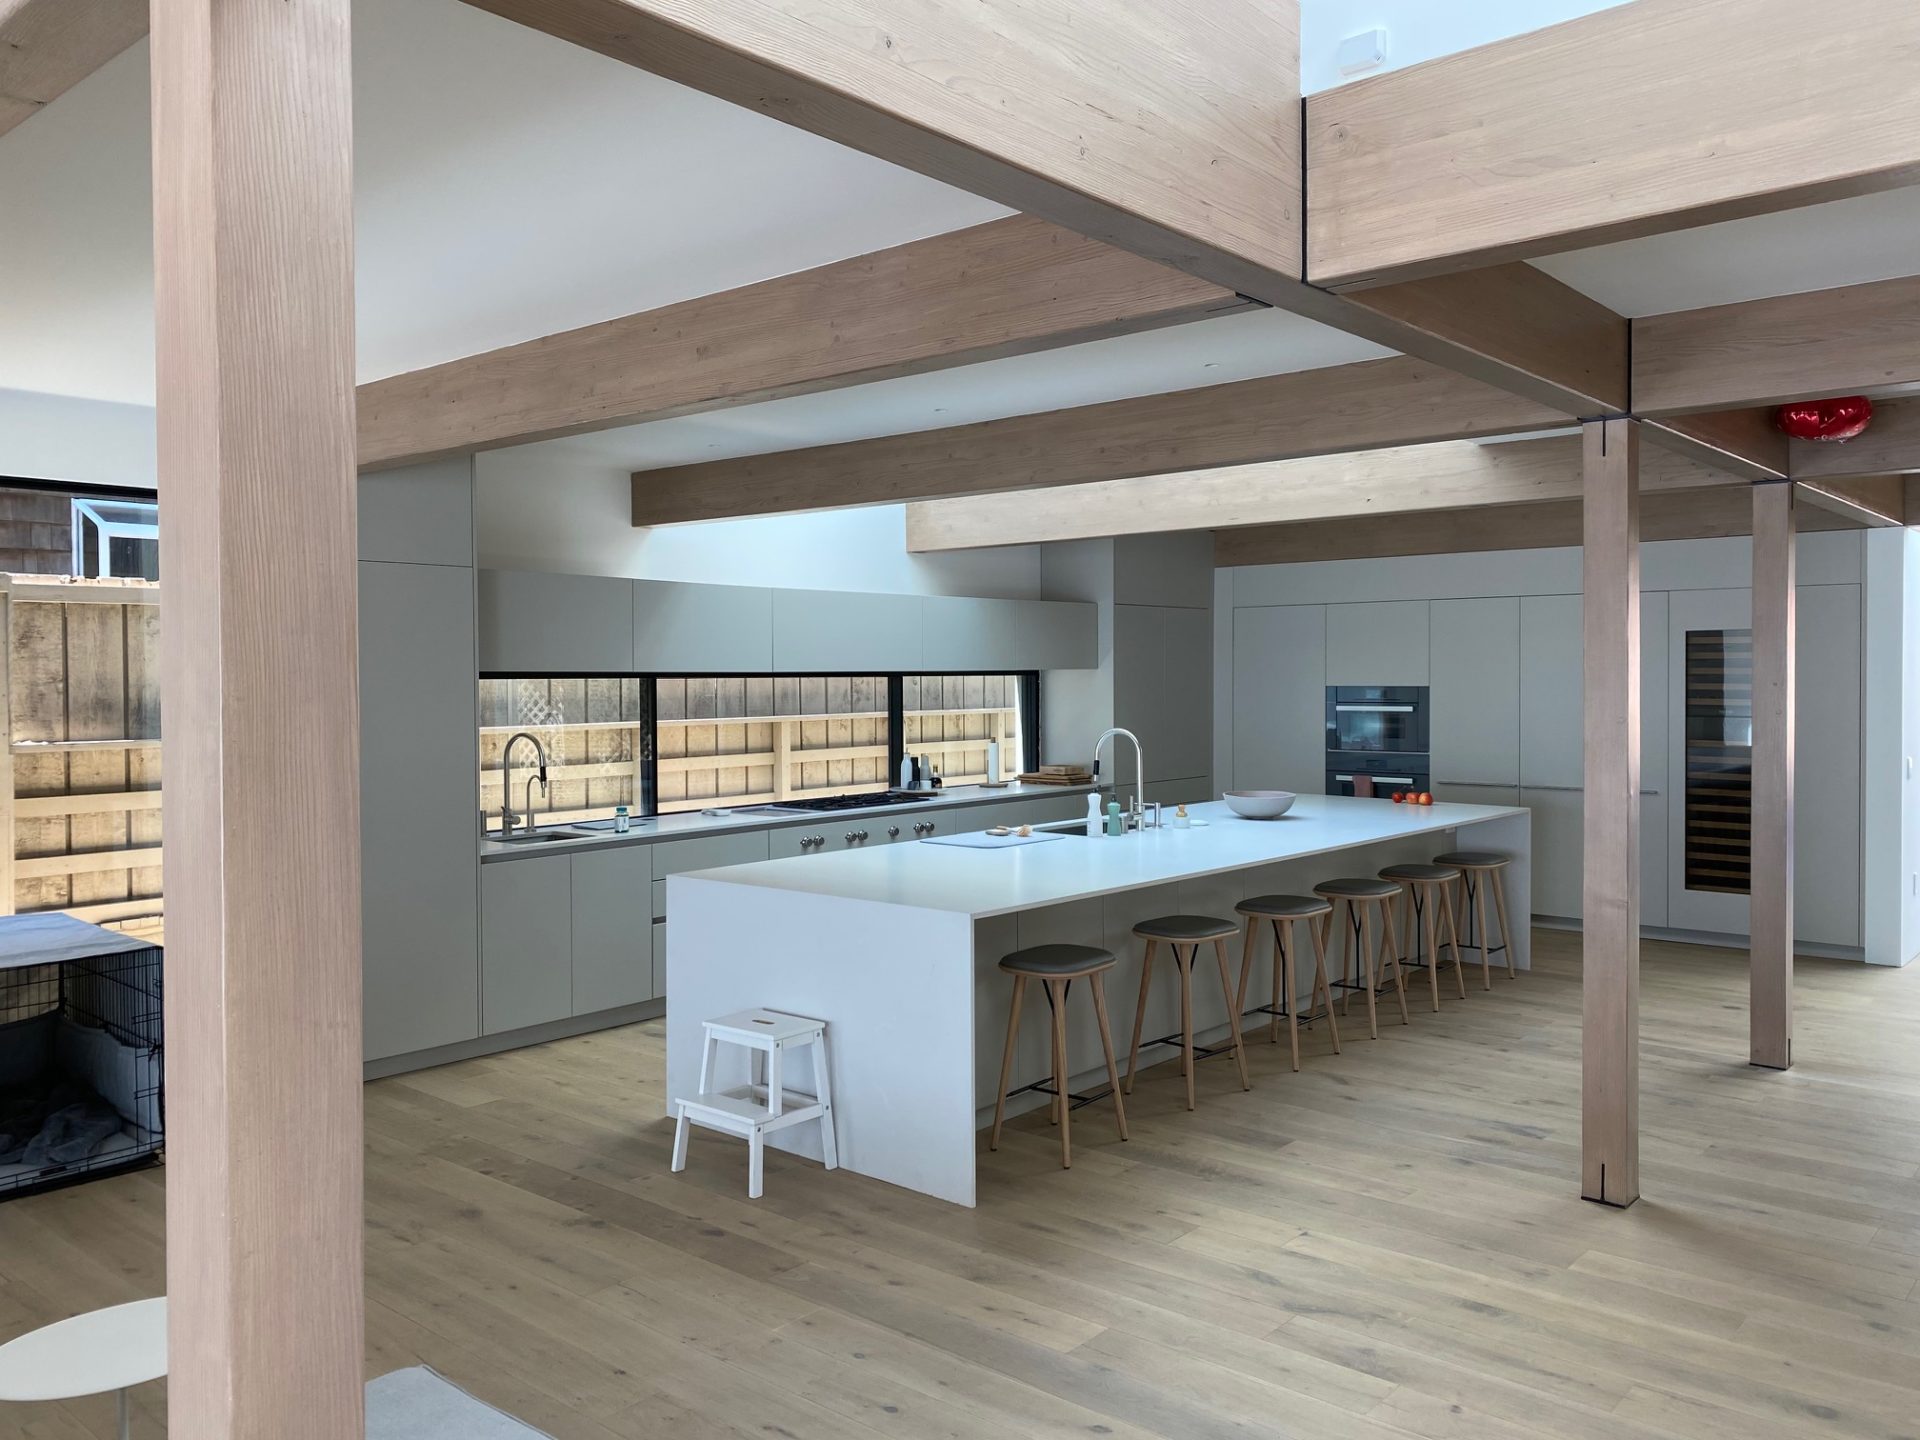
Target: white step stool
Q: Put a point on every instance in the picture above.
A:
(764, 1104)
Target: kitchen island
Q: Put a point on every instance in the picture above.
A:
(897, 949)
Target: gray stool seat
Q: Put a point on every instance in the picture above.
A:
(1285, 907)
(1186, 927)
(1357, 888)
(1056, 960)
(1476, 858)
(1415, 871)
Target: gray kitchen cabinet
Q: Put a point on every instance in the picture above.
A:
(1477, 795)
(659, 939)
(419, 514)
(418, 757)
(1378, 642)
(963, 633)
(1653, 859)
(612, 928)
(542, 624)
(708, 852)
(1475, 693)
(1552, 721)
(526, 942)
(1279, 698)
(835, 632)
(1827, 765)
(723, 628)
(1558, 849)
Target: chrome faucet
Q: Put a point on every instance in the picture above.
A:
(1137, 812)
(507, 816)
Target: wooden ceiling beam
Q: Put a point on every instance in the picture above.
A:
(1891, 446)
(1854, 339)
(1641, 118)
(1743, 442)
(1009, 287)
(49, 46)
(1871, 500)
(1310, 412)
(1370, 488)
(1546, 524)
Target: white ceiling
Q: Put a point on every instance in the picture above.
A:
(510, 185)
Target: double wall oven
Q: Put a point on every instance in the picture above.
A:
(1379, 732)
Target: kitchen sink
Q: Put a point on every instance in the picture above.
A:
(538, 837)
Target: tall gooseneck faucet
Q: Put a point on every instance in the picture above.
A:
(507, 816)
(1138, 810)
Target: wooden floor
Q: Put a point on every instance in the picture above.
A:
(1387, 1244)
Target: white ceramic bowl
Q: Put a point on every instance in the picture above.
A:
(1259, 804)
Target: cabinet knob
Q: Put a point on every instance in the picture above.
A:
(893, 832)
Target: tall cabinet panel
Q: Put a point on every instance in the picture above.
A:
(1279, 698)
(1827, 765)
(1377, 642)
(1552, 721)
(418, 758)
(1475, 694)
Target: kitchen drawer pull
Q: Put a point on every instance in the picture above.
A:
(1561, 789)
(1352, 709)
(1382, 779)
(1485, 784)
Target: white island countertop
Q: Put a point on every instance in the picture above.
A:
(982, 883)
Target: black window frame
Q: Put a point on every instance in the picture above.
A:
(648, 805)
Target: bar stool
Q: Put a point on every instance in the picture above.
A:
(1285, 913)
(1186, 934)
(1365, 900)
(1480, 871)
(1429, 891)
(1057, 967)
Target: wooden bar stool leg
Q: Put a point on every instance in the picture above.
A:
(1183, 962)
(1247, 945)
(1057, 992)
(1486, 936)
(1098, 981)
(1233, 1015)
(1391, 949)
(1006, 1059)
(1349, 958)
(1506, 929)
(1453, 939)
(1317, 930)
(1284, 978)
(1140, 1012)
(1367, 962)
(1430, 943)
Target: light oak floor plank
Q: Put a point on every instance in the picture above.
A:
(1388, 1243)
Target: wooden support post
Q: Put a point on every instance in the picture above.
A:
(1771, 906)
(1610, 892)
(253, 251)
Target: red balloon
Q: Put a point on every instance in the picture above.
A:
(1842, 418)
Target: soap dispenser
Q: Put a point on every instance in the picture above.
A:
(1096, 821)
(1116, 823)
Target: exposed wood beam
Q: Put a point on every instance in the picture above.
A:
(253, 269)
(1641, 118)
(1008, 287)
(1866, 500)
(1378, 402)
(1891, 446)
(1743, 442)
(1670, 515)
(1371, 486)
(1095, 120)
(1610, 887)
(1770, 925)
(1855, 339)
(49, 46)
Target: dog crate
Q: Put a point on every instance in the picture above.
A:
(81, 1083)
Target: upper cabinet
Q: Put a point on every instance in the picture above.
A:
(422, 514)
(544, 624)
(823, 631)
(1475, 692)
(725, 629)
(961, 633)
(1279, 698)
(1552, 722)
(1377, 643)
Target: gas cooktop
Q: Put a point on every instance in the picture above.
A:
(847, 802)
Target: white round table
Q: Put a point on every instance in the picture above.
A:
(111, 1349)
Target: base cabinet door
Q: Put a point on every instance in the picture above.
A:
(612, 928)
(1559, 849)
(526, 942)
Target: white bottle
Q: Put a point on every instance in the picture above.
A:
(906, 772)
(993, 762)
(1096, 816)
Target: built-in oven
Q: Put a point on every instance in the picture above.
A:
(1369, 719)
(1386, 771)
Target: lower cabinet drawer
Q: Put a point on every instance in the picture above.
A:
(612, 929)
(708, 852)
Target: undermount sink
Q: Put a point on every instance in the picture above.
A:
(538, 837)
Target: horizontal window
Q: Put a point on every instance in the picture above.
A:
(755, 740)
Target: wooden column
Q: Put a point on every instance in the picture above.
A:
(253, 251)
(1610, 891)
(1771, 908)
